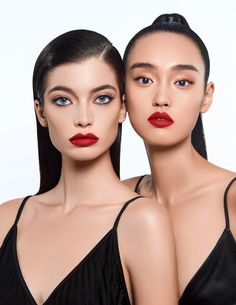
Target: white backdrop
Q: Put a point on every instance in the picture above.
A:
(26, 26)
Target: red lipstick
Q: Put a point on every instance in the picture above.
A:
(160, 119)
(83, 139)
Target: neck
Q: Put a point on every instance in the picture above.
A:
(173, 170)
(86, 182)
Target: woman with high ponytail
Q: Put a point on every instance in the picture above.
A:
(167, 90)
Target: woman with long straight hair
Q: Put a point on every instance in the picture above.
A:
(84, 238)
(167, 90)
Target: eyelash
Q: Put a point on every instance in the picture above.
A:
(106, 96)
(55, 101)
(150, 81)
(65, 100)
(186, 81)
(138, 79)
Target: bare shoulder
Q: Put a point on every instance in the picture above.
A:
(230, 187)
(8, 211)
(230, 196)
(228, 181)
(132, 182)
(147, 247)
(145, 216)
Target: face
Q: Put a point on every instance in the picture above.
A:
(165, 88)
(82, 108)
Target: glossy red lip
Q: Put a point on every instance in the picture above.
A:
(83, 139)
(160, 119)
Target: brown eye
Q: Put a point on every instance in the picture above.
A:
(144, 80)
(183, 83)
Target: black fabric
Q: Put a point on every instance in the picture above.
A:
(136, 189)
(215, 281)
(97, 280)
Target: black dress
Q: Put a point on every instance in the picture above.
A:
(215, 281)
(97, 280)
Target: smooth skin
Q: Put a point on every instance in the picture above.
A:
(57, 229)
(165, 73)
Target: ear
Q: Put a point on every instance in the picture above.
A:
(40, 113)
(208, 96)
(122, 114)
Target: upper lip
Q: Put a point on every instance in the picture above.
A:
(160, 115)
(83, 136)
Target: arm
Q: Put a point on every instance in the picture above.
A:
(149, 254)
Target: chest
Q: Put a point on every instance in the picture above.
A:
(49, 252)
(198, 223)
(53, 251)
(96, 279)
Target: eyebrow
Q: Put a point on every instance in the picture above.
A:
(61, 88)
(179, 67)
(99, 88)
(184, 67)
(142, 65)
(69, 90)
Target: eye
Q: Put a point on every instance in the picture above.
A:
(103, 99)
(183, 83)
(144, 80)
(62, 101)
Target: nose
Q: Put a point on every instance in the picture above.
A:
(83, 116)
(161, 99)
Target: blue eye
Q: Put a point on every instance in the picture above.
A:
(103, 99)
(183, 83)
(144, 80)
(61, 101)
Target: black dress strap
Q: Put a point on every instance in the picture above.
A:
(136, 189)
(21, 209)
(122, 210)
(225, 202)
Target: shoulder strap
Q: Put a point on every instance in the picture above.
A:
(122, 210)
(21, 209)
(136, 189)
(225, 202)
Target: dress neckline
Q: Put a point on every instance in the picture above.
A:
(65, 278)
(226, 233)
(112, 231)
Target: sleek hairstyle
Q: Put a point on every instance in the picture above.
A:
(177, 24)
(73, 46)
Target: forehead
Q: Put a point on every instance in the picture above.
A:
(90, 72)
(166, 49)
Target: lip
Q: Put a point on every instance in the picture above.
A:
(83, 140)
(160, 119)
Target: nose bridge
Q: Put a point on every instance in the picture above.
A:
(83, 114)
(162, 94)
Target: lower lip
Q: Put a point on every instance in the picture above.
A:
(83, 142)
(160, 123)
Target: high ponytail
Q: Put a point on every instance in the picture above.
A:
(176, 23)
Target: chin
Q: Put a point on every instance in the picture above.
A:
(166, 143)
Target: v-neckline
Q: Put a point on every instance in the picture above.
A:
(64, 279)
(196, 274)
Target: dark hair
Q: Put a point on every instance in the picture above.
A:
(177, 24)
(69, 47)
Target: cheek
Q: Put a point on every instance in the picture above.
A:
(58, 130)
(106, 119)
(139, 109)
(186, 118)
(108, 125)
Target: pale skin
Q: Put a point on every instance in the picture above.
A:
(165, 73)
(66, 222)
